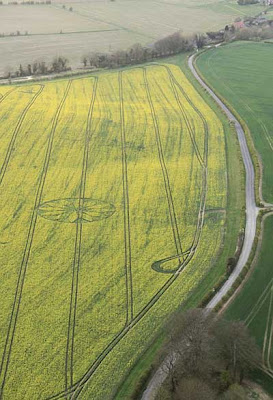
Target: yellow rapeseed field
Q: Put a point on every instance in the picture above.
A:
(112, 210)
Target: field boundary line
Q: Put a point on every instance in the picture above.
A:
(66, 33)
(16, 131)
(23, 268)
(77, 250)
(126, 210)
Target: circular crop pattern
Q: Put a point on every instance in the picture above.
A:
(75, 210)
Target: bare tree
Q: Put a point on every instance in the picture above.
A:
(188, 350)
(137, 53)
(59, 64)
(201, 347)
(84, 60)
(195, 389)
(238, 349)
(235, 392)
(200, 40)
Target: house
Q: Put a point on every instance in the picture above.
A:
(239, 24)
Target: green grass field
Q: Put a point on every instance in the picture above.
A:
(242, 73)
(113, 212)
(254, 304)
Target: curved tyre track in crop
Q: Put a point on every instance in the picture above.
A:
(250, 228)
(75, 390)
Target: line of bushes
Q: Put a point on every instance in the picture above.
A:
(248, 265)
(138, 54)
(230, 266)
(58, 64)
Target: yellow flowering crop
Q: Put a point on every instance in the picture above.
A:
(113, 196)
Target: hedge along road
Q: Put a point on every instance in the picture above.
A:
(250, 227)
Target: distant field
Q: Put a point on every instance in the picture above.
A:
(104, 26)
(113, 209)
(242, 73)
(254, 304)
(44, 19)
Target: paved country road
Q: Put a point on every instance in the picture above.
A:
(251, 216)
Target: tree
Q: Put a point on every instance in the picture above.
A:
(21, 70)
(195, 389)
(59, 64)
(235, 392)
(173, 44)
(205, 351)
(188, 351)
(200, 40)
(231, 264)
(93, 59)
(238, 349)
(136, 53)
(84, 61)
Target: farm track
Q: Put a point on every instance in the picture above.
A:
(126, 209)
(3, 97)
(15, 133)
(23, 268)
(75, 390)
(77, 251)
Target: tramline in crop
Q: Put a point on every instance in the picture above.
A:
(112, 175)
